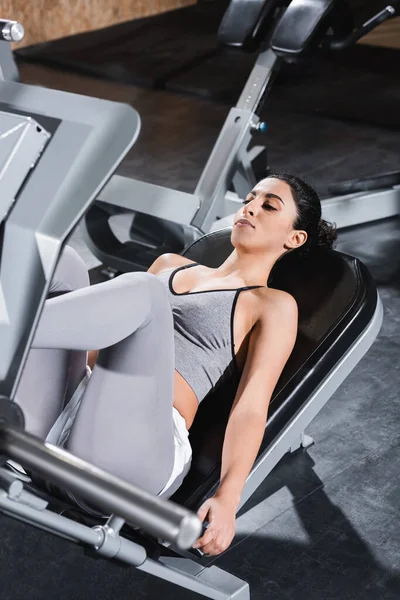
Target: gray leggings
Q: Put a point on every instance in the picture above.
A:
(124, 424)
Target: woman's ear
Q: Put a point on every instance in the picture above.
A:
(297, 238)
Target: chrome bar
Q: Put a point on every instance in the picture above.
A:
(159, 517)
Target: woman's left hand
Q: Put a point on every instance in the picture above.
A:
(221, 530)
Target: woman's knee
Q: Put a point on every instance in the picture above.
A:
(71, 272)
(139, 278)
(138, 299)
(151, 285)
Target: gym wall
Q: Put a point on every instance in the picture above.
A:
(46, 20)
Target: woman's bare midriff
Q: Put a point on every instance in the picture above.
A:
(185, 400)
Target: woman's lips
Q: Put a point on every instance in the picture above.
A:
(244, 224)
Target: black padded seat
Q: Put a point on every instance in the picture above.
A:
(337, 299)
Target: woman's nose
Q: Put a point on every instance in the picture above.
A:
(249, 210)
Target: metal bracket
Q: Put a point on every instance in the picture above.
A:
(211, 582)
(14, 489)
(303, 441)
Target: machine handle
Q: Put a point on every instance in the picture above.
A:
(161, 518)
(11, 31)
(358, 33)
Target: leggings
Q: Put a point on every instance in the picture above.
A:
(124, 424)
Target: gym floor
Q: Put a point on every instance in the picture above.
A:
(326, 523)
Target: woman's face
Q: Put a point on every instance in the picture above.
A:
(270, 212)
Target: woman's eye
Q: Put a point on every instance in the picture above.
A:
(266, 206)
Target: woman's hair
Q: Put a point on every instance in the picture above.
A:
(321, 234)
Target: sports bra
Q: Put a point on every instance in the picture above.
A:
(203, 333)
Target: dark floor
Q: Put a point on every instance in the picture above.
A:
(326, 524)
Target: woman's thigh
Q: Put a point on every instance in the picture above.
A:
(124, 424)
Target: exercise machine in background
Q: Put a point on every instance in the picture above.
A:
(166, 220)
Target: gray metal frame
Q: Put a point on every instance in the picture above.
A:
(89, 140)
(229, 155)
(362, 207)
(105, 539)
(151, 199)
(213, 203)
(229, 165)
(8, 68)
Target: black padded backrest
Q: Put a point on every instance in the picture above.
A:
(246, 24)
(336, 299)
(307, 23)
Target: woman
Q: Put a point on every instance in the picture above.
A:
(156, 365)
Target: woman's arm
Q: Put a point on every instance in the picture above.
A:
(271, 343)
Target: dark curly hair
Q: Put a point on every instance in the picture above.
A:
(321, 234)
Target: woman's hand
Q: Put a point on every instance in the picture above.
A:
(221, 530)
(92, 357)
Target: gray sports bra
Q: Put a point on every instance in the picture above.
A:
(203, 323)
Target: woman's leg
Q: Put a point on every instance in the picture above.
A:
(51, 376)
(124, 423)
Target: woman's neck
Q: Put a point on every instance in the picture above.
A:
(250, 268)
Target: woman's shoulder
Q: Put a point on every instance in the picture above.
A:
(273, 303)
(168, 261)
